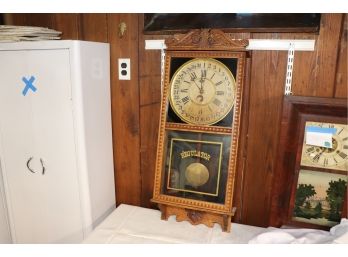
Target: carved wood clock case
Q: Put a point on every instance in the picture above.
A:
(199, 127)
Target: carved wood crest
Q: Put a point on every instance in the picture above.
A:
(205, 39)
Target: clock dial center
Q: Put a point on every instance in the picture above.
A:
(203, 95)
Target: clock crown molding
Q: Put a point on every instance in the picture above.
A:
(205, 39)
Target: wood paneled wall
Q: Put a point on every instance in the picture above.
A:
(135, 103)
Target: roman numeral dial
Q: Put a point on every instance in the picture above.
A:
(335, 157)
(202, 91)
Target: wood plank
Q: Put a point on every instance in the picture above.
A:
(18, 19)
(68, 24)
(125, 110)
(149, 73)
(41, 20)
(149, 120)
(94, 27)
(314, 72)
(150, 95)
(26, 19)
(266, 90)
(341, 73)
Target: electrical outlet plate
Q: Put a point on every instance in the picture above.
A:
(124, 69)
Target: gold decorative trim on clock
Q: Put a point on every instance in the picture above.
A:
(185, 127)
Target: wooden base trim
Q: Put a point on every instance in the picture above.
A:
(196, 217)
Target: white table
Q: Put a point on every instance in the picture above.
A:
(131, 224)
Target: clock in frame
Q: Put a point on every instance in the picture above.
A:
(199, 127)
(310, 182)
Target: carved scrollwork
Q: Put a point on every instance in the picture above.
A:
(194, 216)
(205, 39)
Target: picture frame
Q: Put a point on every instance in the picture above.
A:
(318, 198)
(297, 111)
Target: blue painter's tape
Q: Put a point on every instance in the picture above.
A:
(28, 85)
(321, 130)
(327, 144)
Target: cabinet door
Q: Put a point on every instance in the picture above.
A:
(5, 236)
(37, 146)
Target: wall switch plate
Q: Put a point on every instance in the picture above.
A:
(124, 69)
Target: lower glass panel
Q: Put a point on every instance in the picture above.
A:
(196, 165)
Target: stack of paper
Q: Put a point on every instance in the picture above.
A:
(9, 33)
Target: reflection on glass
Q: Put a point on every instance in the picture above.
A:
(196, 166)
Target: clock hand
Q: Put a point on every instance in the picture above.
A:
(202, 80)
(196, 85)
(201, 88)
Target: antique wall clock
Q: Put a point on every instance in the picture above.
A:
(310, 185)
(199, 127)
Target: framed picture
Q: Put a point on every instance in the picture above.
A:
(318, 198)
(310, 181)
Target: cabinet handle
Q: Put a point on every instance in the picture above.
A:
(43, 167)
(42, 164)
(29, 160)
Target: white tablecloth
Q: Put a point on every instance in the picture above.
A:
(131, 224)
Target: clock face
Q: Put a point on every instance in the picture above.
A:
(202, 91)
(335, 157)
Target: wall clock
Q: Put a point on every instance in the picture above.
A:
(310, 186)
(199, 127)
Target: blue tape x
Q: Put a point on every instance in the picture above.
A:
(28, 85)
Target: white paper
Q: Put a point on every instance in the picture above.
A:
(319, 139)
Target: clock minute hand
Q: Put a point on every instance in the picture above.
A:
(196, 84)
(202, 79)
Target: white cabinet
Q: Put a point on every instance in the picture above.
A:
(55, 139)
(5, 236)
